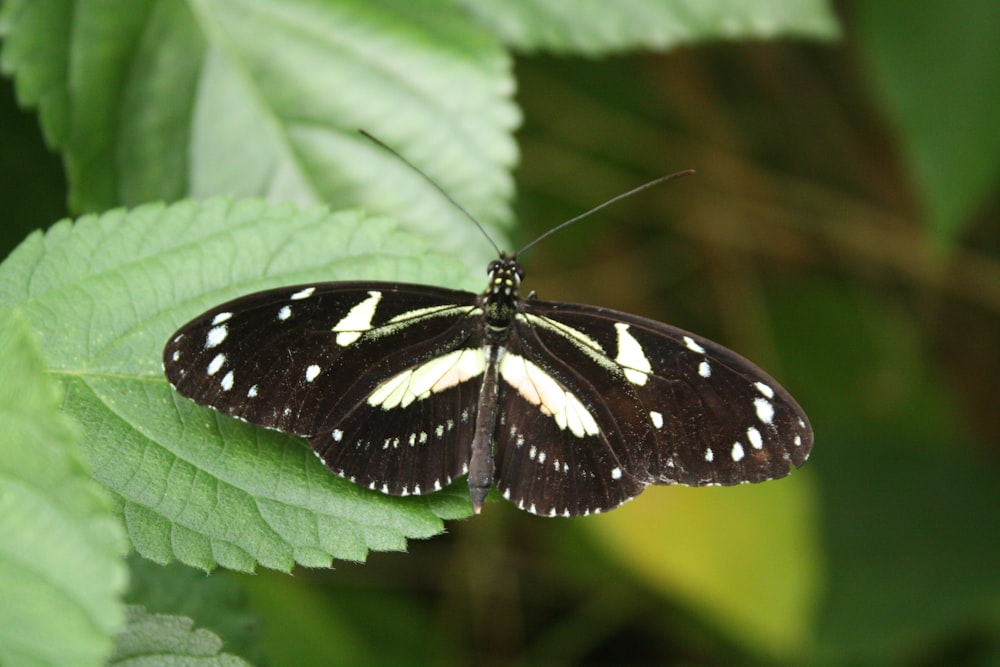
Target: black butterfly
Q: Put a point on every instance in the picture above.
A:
(571, 409)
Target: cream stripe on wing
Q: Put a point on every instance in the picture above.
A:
(540, 389)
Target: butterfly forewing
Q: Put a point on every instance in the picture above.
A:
(714, 417)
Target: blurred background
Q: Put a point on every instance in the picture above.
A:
(842, 232)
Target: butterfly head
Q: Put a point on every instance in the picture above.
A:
(506, 274)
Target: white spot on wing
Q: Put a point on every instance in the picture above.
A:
(764, 389)
(737, 452)
(631, 357)
(704, 369)
(215, 336)
(220, 318)
(337, 435)
(176, 355)
(693, 346)
(252, 392)
(312, 372)
(303, 294)
(216, 364)
(656, 418)
(765, 411)
(709, 455)
(284, 313)
(616, 473)
(227, 381)
(357, 320)
(753, 435)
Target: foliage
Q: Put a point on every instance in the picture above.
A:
(242, 115)
(61, 566)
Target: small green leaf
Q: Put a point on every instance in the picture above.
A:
(594, 27)
(158, 640)
(154, 101)
(105, 293)
(218, 601)
(61, 547)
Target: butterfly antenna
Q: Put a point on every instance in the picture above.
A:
(448, 197)
(655, 181)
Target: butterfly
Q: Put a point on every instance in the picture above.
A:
(568, 409)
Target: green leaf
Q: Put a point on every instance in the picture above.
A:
(105, 293)
(158, 640)
(218, 601)
(61, 547)
(747, 558)
(165, 100)
(936, 67)
(594, 27)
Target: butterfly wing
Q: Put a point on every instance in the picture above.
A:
(668, 407)
(556, 452)
(308, 360)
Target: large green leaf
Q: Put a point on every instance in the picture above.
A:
(596, 26)
(159, 100)
(936, 68)
(105, 293)
(61, 548)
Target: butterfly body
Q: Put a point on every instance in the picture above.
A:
(569, 409)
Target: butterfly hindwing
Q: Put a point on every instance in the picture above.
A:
(562, 416)
(404, 444)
